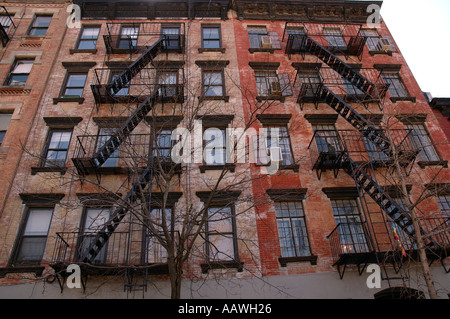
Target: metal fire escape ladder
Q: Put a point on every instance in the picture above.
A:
(118, 215)
(364, 180)
(113, 144)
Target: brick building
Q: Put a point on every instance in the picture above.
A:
(127, 171)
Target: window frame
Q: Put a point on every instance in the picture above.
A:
(204, 94)
(395, 81)
(15, 262)
(45, 160)
(292, 234)
(267, 134)
(81, 40)
(32, 27)
(219, 39)
(11, 72)
(234, 242)
(425, 133)
(69, 73)
(133, 37)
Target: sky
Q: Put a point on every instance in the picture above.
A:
(421, 29)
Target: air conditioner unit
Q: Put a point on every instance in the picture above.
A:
(265, 42)
(275, 154)
(384, 45)
(275, 88)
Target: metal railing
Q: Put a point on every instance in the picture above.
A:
(133, 37)
(309, 83)
(169, 84)
(122, 249)
(350, 238)
(327, 146)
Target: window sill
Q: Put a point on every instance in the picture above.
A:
(253, 50)
(201, 50)
(222, 265)
(294, 167)
(41, 169)
(285, 260)
(214, 98)
(424, 164)
(230, 167)
(261, 98)
(403, 98)
(376, 52)
(57, 100)
(93, 51)
(37, 270)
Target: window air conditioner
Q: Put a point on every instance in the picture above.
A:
(384, 45)
(265, 42)
(275, 154)
(275, 88)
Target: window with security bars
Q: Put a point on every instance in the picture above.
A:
(296, 37)
(396, 87)
(352, 236)
(444, 205)
(421, 141)
(162, 145)
(128, 37)
(93, 221)
(311, 83)
(335, 38)
(327, 138)
(292, 231)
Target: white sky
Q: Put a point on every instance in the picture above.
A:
(421, 29)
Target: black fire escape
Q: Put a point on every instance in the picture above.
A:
(110, 247)
(7, 26)
(359, 153)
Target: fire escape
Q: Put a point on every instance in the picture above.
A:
(361, 152)
(112, 247)
(7, 26)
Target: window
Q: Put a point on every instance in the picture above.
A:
(57, 148)
(211, 37)
(40, 25)
(5, 22)
(327, 138)
(163, 144)
(264, 80)
(407, 241)
(114, 74)
(396, 87)
(420, 140)
(19, 73)
(213, 84)
(373, 41)
(171, 36)
(168, 83)
(295, 37)
(128, 37)
(444, 205)
(311, 83)
(351, 232)
(220, 239)
(292, 230)
(156, 253)
(4, 123)
(335, 38)
(214, 140)
(74, 86)
(260, 39)
(278, 137)
(104, 135)
(88, 38)
(93, 221)
(34, 237)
